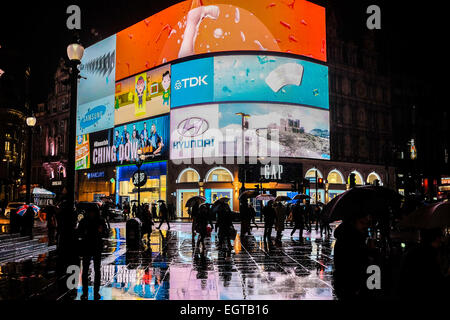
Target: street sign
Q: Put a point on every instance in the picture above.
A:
(139, 180)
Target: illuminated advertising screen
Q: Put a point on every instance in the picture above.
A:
(95, 150)
(95, 99)
(250, 78)
(142, 96)
(150, 135)
(270, 130)
(194, 27)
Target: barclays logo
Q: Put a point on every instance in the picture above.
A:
(92, 116)
(191, 82)
(192, 127)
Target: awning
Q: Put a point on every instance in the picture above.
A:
(43, 193)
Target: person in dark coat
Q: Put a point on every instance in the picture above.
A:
(299, 220)
(269, 219)
(147, 221)
(422, 275)
(194, 214)
(164, 213)
(27, 222)
(224, 224)
(154, 211)
(51, 224)
(91, 230)
(134, 210)
(252, 217)
(245, 217)
(308, 215)
(351, 257)
(202, 222)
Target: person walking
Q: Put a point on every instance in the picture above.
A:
(280, 216)
(154, 211)
(298, 219)
(269, 219)
(308, 215)
(245, 217)
(92, 229)
(225, 225)
(134, 210)
(164, 213)
(27, 222)
(252, 217)
(201, 227)
(51, 224)
(194, 214)
(105, 213)
(351, 257)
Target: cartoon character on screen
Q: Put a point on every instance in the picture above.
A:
(155, 141)
(166, 86)
(140, 87)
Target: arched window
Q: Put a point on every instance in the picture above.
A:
(335, 176)
(311, 173)
(358, 178)
(188, 175)
(372, 177)
(219, 174)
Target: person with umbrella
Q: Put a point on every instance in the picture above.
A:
(269, 219)
(244, 212)
(299, 219)
(164, 212)
(224, 222)
(280, 216)
(201, 227)
(27, 222)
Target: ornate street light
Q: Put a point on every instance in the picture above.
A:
(75, 53)
(31, 122)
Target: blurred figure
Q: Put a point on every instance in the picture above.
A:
(194, 214)
(171, 209)
(225, 225)
(154, 211)
(126, 210)
(351, 257)
(202, 222)
(105, 213)
(269, 219)
(147, 221)
(280, 216)
(299, 220)
(91, 229)
(308, 214)
(164, 213)
(27, 222)
(245, 217)
(51, 224)
(134, 209)
(422, 275)
(252, 216)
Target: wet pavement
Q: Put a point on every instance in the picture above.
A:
(170, 268)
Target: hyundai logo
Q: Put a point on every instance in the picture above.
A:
(192, 127)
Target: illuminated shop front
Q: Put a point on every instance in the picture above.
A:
(94, 184)
(152, 191)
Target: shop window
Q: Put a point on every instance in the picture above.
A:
(219, 175)
(358, 178)
(188, 175)
(335, 177)
(372, 177)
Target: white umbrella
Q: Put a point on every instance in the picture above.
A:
(265, 197)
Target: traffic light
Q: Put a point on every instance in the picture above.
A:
(320, 183)
(352, 180)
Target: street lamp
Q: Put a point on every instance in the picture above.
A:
(31, 122)
(75, 53)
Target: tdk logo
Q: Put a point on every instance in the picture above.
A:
(191, 82)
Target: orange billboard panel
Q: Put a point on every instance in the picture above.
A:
(200, 26)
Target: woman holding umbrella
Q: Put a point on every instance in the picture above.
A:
(224, 222)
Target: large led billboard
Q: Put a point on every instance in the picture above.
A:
(201, 26)
(95, 97)
(144, 95)
(271, 130)
(260, 78)
(120, 145)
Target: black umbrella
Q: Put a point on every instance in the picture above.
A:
(193, 200)
(374, 200)
(301, 196)
(428, 217)
(282, 198)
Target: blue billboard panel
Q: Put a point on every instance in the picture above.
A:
(95, 99)
(95, 115)
(250, 78)
(192, 82)
(151, 136)
(270, 78)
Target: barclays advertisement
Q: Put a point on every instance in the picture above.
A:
(250, 78)
(151, 136)
(96, 88)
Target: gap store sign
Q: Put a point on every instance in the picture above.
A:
(250, 78)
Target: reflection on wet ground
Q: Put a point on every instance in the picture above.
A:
(169, 268)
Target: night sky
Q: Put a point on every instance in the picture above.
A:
(413, 33)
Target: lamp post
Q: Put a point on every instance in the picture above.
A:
(75, 53)
(31, 122)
